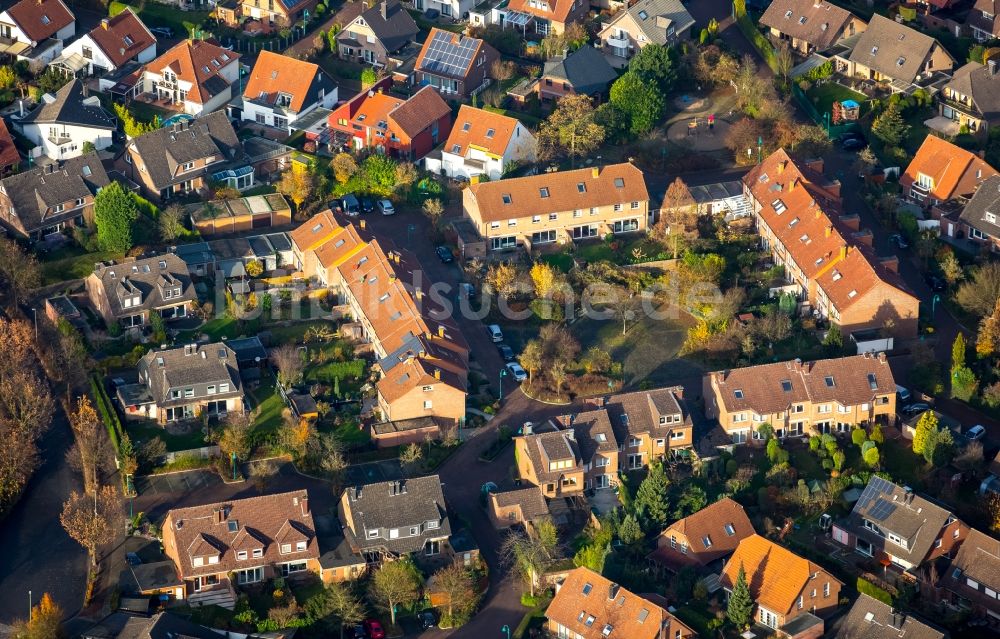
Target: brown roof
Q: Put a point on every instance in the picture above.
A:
(41, 19)
(955, 171)
(123, 37)
(544, 448)
(772, 388)
(641, 412)
(199, 62)
(485, 130)
(566, 191)
(869, 618)
(858, 274)
(9, 155)
(529, 500)
(215, 530)
(713, 533)
(555, 10)
(419, 112)
(593, 607)
(978, 559)
(274, 73)
(818, 23)
(776, 575)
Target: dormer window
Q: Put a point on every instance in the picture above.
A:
(466, 127)
(738, 393)
(258, 553)
(213, 559)
(45, 19)
(286, 548)
(788, 14)
(490, 133)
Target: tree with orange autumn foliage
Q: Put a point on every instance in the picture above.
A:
(45, 622)
(296, 433)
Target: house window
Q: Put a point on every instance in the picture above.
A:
(241, 555)
(826, 589)
(88, 53)
(198, 561)
(553, 216)
(428, 404)
(213, 559)
(371, 534)
(210, 390)
(223, 388)
(300, 546)
(431, 525)
(286, 548)
(292, 567)
(258, 553)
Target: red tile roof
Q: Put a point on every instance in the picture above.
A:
(419, 112)
(954, 171)
(274, 73)
(9, 155)
(41, 19)
(482, 129)
(122, 37)
(712, 523)
(197, 62)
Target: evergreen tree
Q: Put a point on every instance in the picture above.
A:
(890, 127)
(939, 448)
(958, 351)
(740, 606)
(651, 500)
(629, 532)
(115, 212)
(927, 424)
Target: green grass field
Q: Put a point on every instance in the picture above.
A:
(155, 14)
(71, 263)
(823, 96)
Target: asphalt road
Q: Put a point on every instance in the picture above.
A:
(37, 554)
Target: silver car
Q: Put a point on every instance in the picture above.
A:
(386, 207)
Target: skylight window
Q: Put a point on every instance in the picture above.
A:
(45, 19)
(900, 61)
(544, 191)
(730, 530)
(874, 50)
(217, 64)
(829, 381)
(466, 127)
(587, 588)
(738, 393)
(763, 178)
(86, 170)
(837, 276)
(802, 20)
(128, 41)
(490, 133)
(643, 15)
(234, 525)
(786, 385)
(852, 294)
(581, 187)
(206, 69)
(872, 381)
(619, 183)
(506, 198)
(793, 222)
(779, 206)
(788, 14)
(804, 239)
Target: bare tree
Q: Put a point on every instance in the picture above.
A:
(678, 215)
(559, 374)
(456, 583)
(410, 456)
(288, 359)
(234, 440)
(19, 270)
(89, 442)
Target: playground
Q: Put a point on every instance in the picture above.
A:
(700, 133)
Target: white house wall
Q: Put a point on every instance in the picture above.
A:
(252, 110)
(99, 58)
(78, 136)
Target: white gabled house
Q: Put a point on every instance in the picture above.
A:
(280, 90)
(483, 143)
(112, 44)
(63, 123)
(35, 30)
(195, 75)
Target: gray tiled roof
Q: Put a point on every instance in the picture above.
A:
(149, 277)
(194, 366)
(978, 559)
(35, 191)
(816, 22)
(165, 625)
(977, 82)
(71, 106)
(163, 150)
(983, 210)
(396, 505)
(892, 42)
(396, 29)
(650, 15)
(869, 618)
(586, 69)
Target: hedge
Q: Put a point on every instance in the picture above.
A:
(868, 588)
(107, 411)
(753, 34)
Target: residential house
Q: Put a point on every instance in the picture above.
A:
(10, 157)
(128, 292)
(660, 22)
(185, 383)
(521, 506)
(891, 52)
(281, 90)
(893, 521)
(558, 207)
(408, 431)
(802, 398)
(650, 425)
(703, 538)
(454, 64)
(585, 71)
(247, 540)
(244, 214)
(177, 160)
(972, 97)
(372, 34)
(869, 618)
(551, 461)
(973, 579)
(827, 258)
(390, 519)
(161, 625)
(783, 585)
(340, 563)
(546, 16)
(52, 197)
(598, 446)
(63, 123)
(587, 605)
(195, 76)
(982, 20)
(808, 26)
(113, 43)
(978, 219)
(483, 143)
(941, 171)
(34, 30)
(420, 354)
(406, 128)
(454, 9)
(276, 14)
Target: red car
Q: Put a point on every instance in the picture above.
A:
(374, 629)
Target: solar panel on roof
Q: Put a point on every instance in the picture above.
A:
(881, 509)
(448, 57)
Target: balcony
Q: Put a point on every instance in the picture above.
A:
(964, 107)
(618, 43)
(59, 139)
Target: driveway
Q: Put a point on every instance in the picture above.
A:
(38, 555)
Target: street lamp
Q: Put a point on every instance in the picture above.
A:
(29, 606)
(506, 630)
(34, 314)
(503, 373)
(934, 302)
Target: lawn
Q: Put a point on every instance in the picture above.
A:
(71, 263)
(625, 253)
(216, 329)
(147, 112)
(143, 431)
(154, 14)
(271, 405)
(823, 96)
(562, 261)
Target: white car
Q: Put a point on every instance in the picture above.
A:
(386, 207)
(516, 371)
(495, 333)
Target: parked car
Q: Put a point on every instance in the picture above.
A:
(367, 205)
(444, 254)
(373, 629)
(975, 433)
(936, 283)
(427, 618)
(917, 407)
(515, 370)
(506, 352)
(163, 32)
(898, 240)
(467, 290)
(357, 631)
(386, 208)
(852, 142)
(495, 333)
(903, 393)
(350, 206)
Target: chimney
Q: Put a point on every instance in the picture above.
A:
(304, 503)
(612, 591)
(384, 7)
(105, 23)
(843, 252)
(528, 428)
(362, 223)
(420, 294)
(828, 231)
(440, 330)
(437, 373)
(204, 355)
(219, 515)
(795, 183)
(781, 167)
(595, 172)
(992, 64)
